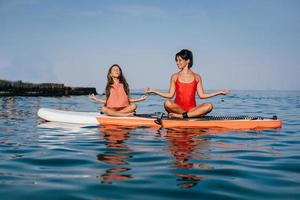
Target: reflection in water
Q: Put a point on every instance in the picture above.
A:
(14, 112)
(188, 149)
(16, 117)
(117, 153)
(7, 107)
(13, 108)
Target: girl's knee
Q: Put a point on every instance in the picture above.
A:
(103, 109)
(133, 106)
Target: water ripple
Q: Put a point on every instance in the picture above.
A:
(52, 160)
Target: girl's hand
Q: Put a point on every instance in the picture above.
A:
(144, 97)
(92, 96)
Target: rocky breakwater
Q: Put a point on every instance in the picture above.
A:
(19, 88)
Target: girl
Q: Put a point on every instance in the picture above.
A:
(185, 83)
(117, 102)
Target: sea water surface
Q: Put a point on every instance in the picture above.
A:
(41, 160)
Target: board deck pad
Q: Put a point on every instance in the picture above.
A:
(208, 117)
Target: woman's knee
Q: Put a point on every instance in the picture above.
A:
(168, 103)
(208, 106)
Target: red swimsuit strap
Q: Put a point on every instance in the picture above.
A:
(177, 79)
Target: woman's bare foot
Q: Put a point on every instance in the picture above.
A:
(175, 115)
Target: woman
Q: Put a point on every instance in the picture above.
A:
(185, 84)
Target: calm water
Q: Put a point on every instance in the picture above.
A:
(62, 161)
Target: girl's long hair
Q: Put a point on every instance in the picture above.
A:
(110, 81)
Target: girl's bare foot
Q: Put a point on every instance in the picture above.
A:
(129, 114)
(118, 114)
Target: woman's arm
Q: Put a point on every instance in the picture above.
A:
(168, 94)
(142, 98)
(204, 95)
(98, 100)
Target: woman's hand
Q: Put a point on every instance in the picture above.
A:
(224, 92)
(148, 91)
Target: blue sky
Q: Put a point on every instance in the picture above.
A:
(237, 44)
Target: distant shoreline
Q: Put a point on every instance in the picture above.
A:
(19, 88)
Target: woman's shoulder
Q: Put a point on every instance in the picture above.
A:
(174, 76)
(197, 76)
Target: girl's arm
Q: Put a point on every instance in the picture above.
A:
(142, 98)
(204, 95)
(98, 100)
(169, 94)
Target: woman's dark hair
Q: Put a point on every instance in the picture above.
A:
(110, 81)
(185, 54)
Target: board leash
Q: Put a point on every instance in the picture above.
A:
(159, 118)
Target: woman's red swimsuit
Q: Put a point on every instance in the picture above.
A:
(185, 94)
